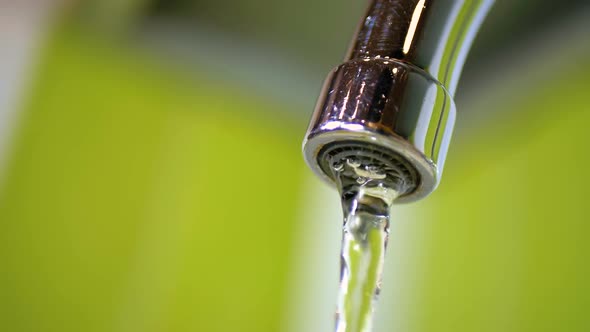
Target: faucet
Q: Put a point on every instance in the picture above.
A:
(390, 104)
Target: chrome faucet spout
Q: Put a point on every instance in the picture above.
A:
(394, 91)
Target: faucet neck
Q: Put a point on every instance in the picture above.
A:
(434, 35)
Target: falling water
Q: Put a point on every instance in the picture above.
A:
(366, 202)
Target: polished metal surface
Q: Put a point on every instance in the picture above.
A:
(395, 88)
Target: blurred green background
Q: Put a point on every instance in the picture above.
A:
(152, 179)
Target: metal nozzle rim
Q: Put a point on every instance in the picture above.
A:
(336, 131)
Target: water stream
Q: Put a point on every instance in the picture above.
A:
(366, 202)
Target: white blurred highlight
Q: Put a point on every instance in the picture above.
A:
(23, 24)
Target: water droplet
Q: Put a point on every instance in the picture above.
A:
(353, 162)
(374, 172)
